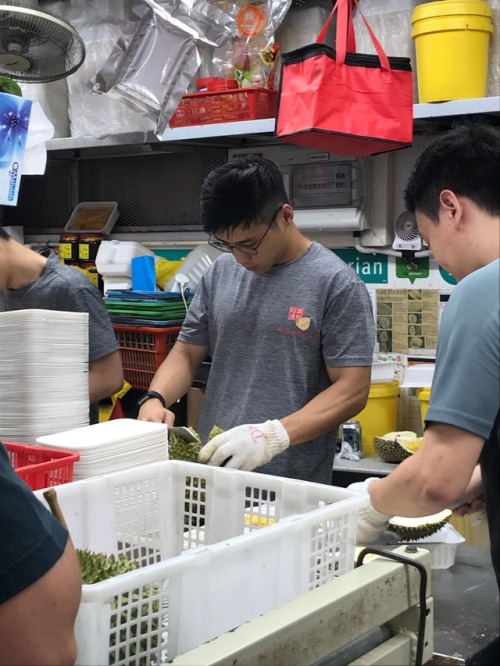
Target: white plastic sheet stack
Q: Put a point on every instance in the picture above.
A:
(111, 446)
(43, 373)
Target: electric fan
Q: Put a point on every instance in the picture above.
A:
(406, 236)
(37, 46)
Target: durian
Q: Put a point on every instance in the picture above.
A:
(412, 529)
(125, 609)
(180, 449)
(98, 566)
(389, 446)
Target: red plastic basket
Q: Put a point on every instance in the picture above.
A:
(225, 106)
(40, 467)
(143, 349)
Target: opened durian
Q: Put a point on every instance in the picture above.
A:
(181, 449)
(412, 529)
(390, 446)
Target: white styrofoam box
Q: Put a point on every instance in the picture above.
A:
(383, 372)
(217, 547)
(418, 375)
(114, 257)
(442, 546)
(197, 262)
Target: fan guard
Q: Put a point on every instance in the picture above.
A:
(36, 46)
(406, 227)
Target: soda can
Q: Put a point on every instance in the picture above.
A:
(351, 434)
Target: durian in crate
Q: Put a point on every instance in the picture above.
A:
(394, 447)
(413, 529)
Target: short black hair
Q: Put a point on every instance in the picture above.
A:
(239, 192)
(466, 160)
(4, 234)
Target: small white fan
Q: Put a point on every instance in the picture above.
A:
(406, 236)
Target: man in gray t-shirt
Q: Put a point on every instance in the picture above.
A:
(288, 327)
(30, 281)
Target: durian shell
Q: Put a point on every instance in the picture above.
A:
(390, 451)
(414, 529)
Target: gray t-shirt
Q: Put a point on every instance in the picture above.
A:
(466, 383)
(63, 288)
(271, 339)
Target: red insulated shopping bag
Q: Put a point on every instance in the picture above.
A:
(343, 102)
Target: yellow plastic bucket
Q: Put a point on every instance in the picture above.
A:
(452, 45)
(424, 395)
(380, 414)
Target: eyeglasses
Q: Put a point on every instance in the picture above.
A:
(244, 249)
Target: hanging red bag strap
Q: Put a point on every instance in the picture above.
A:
(345, 38)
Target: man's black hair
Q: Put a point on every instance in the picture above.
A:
(465, 160)
(241, 192)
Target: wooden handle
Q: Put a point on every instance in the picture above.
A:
(50, 496)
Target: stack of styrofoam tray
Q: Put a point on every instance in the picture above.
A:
(111, 446)
(418, 375)
(43, 373)
(114, 257)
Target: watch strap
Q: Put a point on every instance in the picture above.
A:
(152, 394)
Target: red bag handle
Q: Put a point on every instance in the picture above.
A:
(345, 36)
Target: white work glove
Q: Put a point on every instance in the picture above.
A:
(372, 525)
(246, 446)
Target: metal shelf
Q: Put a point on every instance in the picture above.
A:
(261, 130)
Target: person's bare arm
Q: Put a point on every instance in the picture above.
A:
(37, 625)
(105, 376)
(172, 380)
(432, 479)
(345, 398)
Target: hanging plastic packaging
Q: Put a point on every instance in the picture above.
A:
(157, 56)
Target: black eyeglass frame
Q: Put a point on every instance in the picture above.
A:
(246, 249)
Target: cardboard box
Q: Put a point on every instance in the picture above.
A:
(14, 120)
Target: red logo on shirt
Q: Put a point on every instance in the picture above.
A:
(295, 313)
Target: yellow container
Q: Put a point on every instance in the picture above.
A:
(452, 46)
(380, 414)
(424, 395)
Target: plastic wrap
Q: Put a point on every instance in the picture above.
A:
(70, 104)
(301, 27)
(154, 61)
(251, 56)
(390, 20)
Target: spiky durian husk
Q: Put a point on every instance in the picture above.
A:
(413, 529)
(389, 447)
(97, 567)
(180, 449)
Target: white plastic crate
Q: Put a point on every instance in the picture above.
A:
(217, 547)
